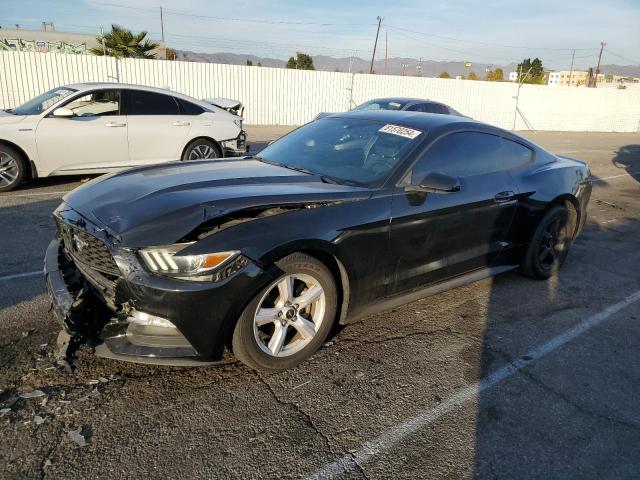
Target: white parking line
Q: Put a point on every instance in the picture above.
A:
(615, 176)
(394, 435)
(21, 275)
(35, 194)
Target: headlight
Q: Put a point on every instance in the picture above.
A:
(168, 261)
(238, 123)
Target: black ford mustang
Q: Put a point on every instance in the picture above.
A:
(346, 216)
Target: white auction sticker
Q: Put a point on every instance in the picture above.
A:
(400, 131)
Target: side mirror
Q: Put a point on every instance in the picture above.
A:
(63, 112)
(436, 183)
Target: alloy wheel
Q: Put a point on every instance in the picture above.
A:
(552, 245)
(289, 315)
(9, 169)
(201, 152)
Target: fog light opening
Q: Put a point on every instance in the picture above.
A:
(148, 320)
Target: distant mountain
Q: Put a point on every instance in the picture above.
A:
(228, 58)
(429, 68)
(627, 70)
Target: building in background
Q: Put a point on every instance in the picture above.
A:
(579, 78)
(574, 78)
(48, 41)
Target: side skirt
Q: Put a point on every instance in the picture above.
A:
(402, 299)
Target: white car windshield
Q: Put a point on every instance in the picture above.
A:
(39, 104)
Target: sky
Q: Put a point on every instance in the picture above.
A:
(497, 32)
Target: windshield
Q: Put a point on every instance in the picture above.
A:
(381, 105)
(37, 105)
(346, 150)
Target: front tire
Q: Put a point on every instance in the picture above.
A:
(201, 149)
(288, 320)
(13, 168)
(549, 245)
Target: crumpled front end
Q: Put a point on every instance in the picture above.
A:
(101, 291)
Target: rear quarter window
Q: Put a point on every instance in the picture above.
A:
(188, 108)
(515, 155)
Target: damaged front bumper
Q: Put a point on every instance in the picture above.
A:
(236, 147)
(151, 320)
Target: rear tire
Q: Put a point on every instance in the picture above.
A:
(549, 245)
(13, 168)
(201, 149)
(301, 319)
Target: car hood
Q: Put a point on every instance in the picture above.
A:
(7, 118)
(161, 204)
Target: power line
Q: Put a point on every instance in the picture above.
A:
(487, 44)
(635, 62)
(228, 19)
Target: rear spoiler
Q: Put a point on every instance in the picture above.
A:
(231, 106)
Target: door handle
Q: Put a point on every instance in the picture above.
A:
(504, 196)
(181, 124)
(115, 124)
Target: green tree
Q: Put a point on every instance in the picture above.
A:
(120, 42)
(444, 75)
(496, 75)
(530, 71)
(301, 61)
(472, 75)
(249, 63)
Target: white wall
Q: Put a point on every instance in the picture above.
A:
(275, 96)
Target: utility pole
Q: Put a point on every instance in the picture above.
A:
(386, 50)
(104, 48)
(404, 65)
(375, 44)
(595, 80)
(162, 33)
(573, 56)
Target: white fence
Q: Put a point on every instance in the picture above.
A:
(274, 96)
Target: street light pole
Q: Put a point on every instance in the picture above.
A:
(375, 44)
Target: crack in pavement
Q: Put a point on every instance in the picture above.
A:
(308, 421)
(377, 341)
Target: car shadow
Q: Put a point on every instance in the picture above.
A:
(541, 421)
(628, 157)
(27, 229)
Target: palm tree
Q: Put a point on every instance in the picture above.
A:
(120, 42)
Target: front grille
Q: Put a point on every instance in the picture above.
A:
(87, 249)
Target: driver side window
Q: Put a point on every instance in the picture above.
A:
(98, 103)
(462, 154)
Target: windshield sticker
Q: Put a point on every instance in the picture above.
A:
(400, 131)
(395, 104)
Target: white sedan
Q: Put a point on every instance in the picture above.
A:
(102, 127)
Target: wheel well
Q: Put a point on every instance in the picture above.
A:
(202, 137)
(340, 276)
(572, 206)
(31, 171)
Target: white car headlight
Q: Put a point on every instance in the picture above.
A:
(168, 261)
(238, 123)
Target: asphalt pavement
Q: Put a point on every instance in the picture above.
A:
(503, 378)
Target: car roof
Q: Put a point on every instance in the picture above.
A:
(402, 100)
(431, 122)
(418, 120)
(133, 86)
